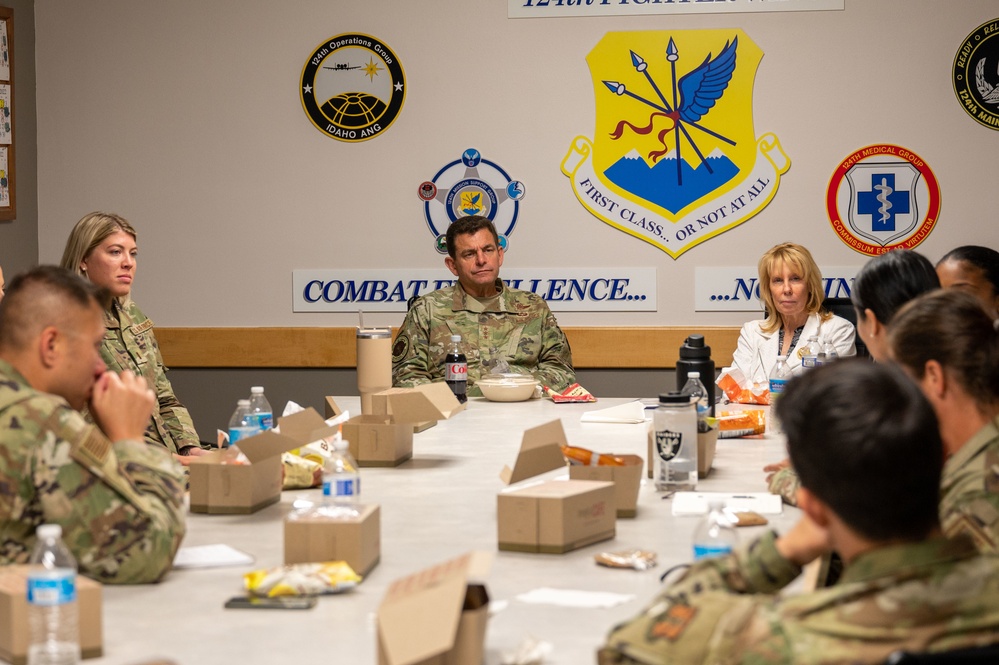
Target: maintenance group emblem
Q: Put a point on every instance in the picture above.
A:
(976, 74)
(675, 159)
(471, 185)
(353, 87)
(883, 197)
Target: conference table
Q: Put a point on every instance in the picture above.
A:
(434, 507)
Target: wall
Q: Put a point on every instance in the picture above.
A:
(185, 117)
(19, 238)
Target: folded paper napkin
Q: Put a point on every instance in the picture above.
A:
(632, 412)
(573, 598)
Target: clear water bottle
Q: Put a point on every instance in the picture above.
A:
(810, 354)
(456, 369)
(715, 535)
(779, 376)
(53, 619)
(242, 425)
(675, 428)
(341, 483)
(699, 396)
(827, 354)
(260, 409)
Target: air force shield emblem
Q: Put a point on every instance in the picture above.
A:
(674, 159)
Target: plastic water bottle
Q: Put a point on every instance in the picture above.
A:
(827, 354)
(779, 375)
(53, 616)
(260, 409)
(341, 483)
(810, 354)
(456, 369)
(699, 396)
(242, 425)
(675, 425)
(715, 535)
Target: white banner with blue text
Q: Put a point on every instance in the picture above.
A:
(560, 8)
(564, 289)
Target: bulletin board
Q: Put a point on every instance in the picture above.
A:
(8, 210)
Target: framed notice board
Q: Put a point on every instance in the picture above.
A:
(7, 207)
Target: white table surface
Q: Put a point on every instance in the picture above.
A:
(434, 507)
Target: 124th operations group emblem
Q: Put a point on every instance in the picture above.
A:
(674, 159)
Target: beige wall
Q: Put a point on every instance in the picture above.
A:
(184, 115)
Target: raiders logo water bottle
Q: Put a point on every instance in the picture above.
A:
(675, 450)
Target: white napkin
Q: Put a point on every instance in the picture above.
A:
(696, 503)
(210, 556)
(632, 412)
(573, 598)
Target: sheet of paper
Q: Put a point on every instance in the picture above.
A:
(210, 556)
(696, 503)
(631, 412)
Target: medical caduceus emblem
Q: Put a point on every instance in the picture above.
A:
(675, 160)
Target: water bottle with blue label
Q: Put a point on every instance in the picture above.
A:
(699, 396)
(53, 617)
(260, 409)
(242, 425)
(810, 353)
(716, 534)
(341, 483)
(779, 376)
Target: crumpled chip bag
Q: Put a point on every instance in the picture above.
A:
(741, 390)
(302, 579)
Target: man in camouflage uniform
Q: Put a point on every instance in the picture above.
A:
(498, 324)
(867, 449)
(119, 501)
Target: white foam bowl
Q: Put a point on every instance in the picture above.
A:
(507, 388)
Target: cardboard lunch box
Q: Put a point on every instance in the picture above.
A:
(437, 616)
(439, 395)
(14, 615)
(385, 437)
(707, 442)
(218, 487)
(354, 540)
(555, 516)
(627, 481)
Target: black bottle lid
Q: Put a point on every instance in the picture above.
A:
(693, 347)
(674, 397)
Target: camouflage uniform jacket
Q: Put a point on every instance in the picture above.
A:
(935, 595)
(517, 323)
(969, 495)
(129, 344)
(120, 504)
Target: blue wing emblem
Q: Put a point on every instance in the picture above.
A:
(701, 88)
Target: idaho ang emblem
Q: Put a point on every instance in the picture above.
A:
(674, 159)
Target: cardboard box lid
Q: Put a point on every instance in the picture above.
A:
(540, 451)
(418, 617)
(306, 426)
(429, 401)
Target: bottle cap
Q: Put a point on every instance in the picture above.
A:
(455, 338)
(49, 531)
(257, 390)
(674, 398)
(693, 347)
(243, 402)
(693, 375)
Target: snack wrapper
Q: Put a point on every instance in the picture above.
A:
(733, 424)
(302, 579)
(637, 559)
(574, 393)
(739, 389)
